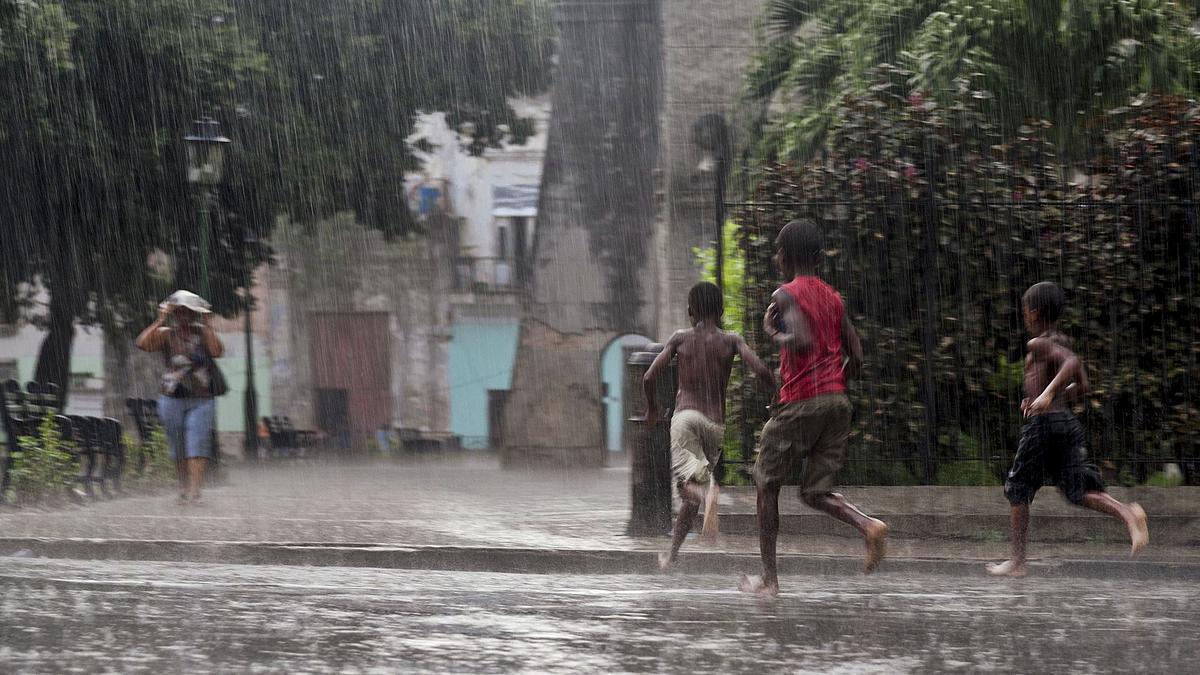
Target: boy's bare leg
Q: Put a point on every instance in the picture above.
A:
(691, 495)
(1133, 516)
(711, 527)
(768, 534)
(873, 530)
(1019, 524)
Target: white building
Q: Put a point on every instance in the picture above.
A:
(494, 197)
(495, 194)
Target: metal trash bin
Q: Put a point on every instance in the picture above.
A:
(650, 452)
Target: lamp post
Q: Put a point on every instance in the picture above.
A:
(205, 161)
(251, 402)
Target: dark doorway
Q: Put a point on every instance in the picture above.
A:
(333, 416)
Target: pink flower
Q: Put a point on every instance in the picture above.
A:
(1018, 195)
(861, 164)
(909, 171)
(915, 99)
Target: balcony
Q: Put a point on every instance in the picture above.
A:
(487, 275)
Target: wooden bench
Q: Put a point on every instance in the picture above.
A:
(99, 449)
(286, 440)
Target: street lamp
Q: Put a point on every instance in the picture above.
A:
(205, 162)
(251, 402)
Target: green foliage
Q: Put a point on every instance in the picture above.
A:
(1060, 60)
(936, 222)
(733, 272)
(1163, 479)
(157, 469)
(43, 469)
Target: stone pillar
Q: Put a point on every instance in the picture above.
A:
(592, 275)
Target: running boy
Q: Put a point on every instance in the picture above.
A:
(809, 426)
(698, 425)
(1052, 440)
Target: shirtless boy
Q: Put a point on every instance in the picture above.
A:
(698, 425)
(810, 425)
(1052, 441)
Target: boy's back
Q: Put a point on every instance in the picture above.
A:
(819, 369)
(705, 360)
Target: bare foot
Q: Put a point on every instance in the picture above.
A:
(756, 586)
(1140, 534)
(664, 562)
(1008, 568)
(876, 545)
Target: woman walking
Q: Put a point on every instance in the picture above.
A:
(185, 404)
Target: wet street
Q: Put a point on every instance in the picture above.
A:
(62, 616)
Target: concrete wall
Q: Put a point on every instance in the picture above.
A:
(341, 266)
(593, 266)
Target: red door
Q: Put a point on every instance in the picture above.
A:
(352, 352)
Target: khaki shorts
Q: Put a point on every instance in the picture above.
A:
(809, 434)
(695, 446)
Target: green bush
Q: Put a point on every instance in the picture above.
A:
(157, 470)
(43, 469)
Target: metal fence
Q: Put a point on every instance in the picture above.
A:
(1122, 434)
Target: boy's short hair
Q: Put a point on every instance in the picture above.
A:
(1045, 298)
(705, 301)
(800, 241)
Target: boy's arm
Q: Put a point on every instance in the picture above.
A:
(661, 361)
(798, 337)
(851, 347)
(765, 377)
(1080, 386)
(1070, 371)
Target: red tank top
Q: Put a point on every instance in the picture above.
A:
(818, 370)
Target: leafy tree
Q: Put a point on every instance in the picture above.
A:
(318, 98)
(1064, 61)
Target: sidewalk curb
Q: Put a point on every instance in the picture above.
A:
(551, 561)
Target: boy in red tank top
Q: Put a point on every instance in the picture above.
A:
(805, 438)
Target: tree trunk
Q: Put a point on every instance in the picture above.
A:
(54, 357)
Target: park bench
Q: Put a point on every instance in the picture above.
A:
(99, 451)
(144, 412)
(285, 439)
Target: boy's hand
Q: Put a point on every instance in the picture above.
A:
(1040, 405)
(771, 320)
(1025, 406)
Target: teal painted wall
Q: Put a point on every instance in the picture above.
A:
(611, 373)
(481, 357)
(231, 408)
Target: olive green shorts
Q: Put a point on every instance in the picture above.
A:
(804, 443)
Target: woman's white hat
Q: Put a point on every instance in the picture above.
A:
(190, 300)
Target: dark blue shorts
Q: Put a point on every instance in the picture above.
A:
(1052, 446)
